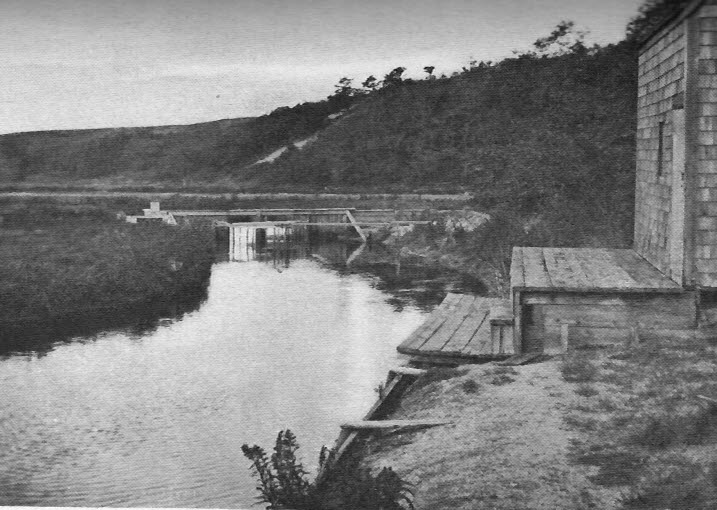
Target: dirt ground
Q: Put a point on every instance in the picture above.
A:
(508, 446)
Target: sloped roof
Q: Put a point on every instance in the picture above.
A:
(677, 16)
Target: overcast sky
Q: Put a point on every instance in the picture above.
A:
(67, 64)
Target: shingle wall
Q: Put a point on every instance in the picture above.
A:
(661, 83)
(705, 159)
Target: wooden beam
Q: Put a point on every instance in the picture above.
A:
(520, 359)
(352, 220)
(408, 371)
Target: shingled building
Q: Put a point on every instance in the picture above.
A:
(565, 297)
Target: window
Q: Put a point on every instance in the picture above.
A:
(660, 147)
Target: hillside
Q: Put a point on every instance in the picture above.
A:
(165, 157)
(528, 133)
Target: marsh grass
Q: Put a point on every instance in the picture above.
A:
(61, 264)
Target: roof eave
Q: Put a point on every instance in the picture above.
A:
(674, 19)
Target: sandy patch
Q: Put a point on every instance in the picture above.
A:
(508, 447)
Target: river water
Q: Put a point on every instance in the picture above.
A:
(158, 418)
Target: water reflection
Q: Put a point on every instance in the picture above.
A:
(259, 242)
(296, 331)
(406, 280)
(159, 420)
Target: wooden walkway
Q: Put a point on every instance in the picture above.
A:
(585, 270)
(463, 329)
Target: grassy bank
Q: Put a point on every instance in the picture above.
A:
(620, 428)
(643, 427)
(64, 265)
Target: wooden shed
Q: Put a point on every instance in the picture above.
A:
(569, 297)
(576, 297)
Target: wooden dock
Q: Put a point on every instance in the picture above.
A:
(463, 329)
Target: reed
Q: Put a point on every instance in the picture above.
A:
(73, 265)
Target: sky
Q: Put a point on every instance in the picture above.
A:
(74, 64)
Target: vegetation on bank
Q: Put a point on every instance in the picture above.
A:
(63, 264)
(283, 482)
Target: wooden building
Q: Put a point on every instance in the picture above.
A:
(567, 297)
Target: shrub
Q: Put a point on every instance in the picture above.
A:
(283, 482)
(501, 379)
(470, 386)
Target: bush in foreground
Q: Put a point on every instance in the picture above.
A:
(283, 482)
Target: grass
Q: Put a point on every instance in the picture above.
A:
(696, 484)
(69, 263)
(578, 367)
(650, 435)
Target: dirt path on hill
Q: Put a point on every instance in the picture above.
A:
(508, 447)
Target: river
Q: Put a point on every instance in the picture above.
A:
(158, 418)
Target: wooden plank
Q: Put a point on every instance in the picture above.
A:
(469, 328)
(500, 310)
(585, 269)
(519, 359)
(666, 317)
(518, 321)
(425, 330)
(641, 271)
(416, 372)
(477, 319)
(385, 393)
(517, 271)
(605, 298)
(581, 267)
(536, 274)
(392, 424)
(352, 220)
(441, 337)
(480, 343)
(601, 270)
(561, 272)
(431, 325)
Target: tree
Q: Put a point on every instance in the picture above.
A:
(394, 77)
(370, 83)
(429, 70)
(564, 38)
(344, 88)
(650, 15)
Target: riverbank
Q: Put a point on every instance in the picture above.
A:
(610, 429)
(60, 268)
